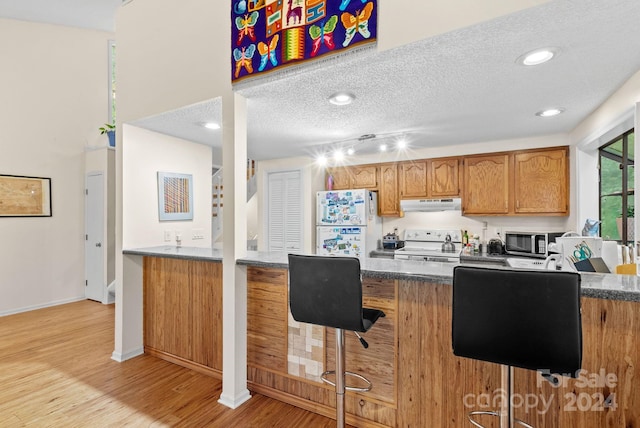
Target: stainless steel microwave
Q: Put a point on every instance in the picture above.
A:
(532, 244)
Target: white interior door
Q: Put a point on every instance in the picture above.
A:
(284, 211)
(94, 245)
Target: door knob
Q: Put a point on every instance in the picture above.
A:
(99, 244)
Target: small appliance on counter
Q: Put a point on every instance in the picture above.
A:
(495, 247)
(391, 241)
(529, 244)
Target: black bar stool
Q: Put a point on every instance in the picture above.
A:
(327, 291)
(517, 318)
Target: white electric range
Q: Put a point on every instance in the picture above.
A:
(427, 245)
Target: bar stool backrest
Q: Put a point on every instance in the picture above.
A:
(527, 319)
(326, 291)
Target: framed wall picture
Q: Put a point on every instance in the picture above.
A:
(25, 196)
(175, 196)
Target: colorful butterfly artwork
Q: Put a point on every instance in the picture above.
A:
(356, 24)
(323, 34)
(243, 58)
(268, 52)
(345, 4)
(245, 26)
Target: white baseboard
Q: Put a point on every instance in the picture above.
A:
(120, 357)
(41, 306)
(234, 402)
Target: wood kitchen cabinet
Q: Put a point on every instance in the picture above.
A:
(486, 185)
(413, 179)
(354, 177)
(444, 177)
(541, 182)
(388, 197)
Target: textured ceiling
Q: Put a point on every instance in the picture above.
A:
(459, 87)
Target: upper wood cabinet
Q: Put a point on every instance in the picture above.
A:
(413, 179)
(486, 185)
(541, 182)
(444, 177)
(354, 177)
(388, 198)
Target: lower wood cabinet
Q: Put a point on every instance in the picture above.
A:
(182, 302)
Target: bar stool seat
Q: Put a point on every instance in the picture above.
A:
(517, 318)
(327, 291)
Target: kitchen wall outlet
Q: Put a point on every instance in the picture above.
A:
(197, 234)
(167, 235)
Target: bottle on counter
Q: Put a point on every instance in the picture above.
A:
(465, 238)
(476, 244)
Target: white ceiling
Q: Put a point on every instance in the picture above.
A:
(90, 14)
(459, 87)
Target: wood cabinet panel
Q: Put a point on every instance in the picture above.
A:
(364, 177)
(444, 177)
(182, 312)
(354, 177)
(267, 316)
(541, 182)
(388, 200)
(413, 179)
(486, 185)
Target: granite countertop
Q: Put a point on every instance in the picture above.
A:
(173, 252)
(597, 285)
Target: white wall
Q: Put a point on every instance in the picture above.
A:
(152, 152)
(53, 86)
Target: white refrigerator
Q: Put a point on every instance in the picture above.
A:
(347, 222)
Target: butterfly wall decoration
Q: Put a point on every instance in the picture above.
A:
(321, 27)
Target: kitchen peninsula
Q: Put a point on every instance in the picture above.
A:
(417, 380)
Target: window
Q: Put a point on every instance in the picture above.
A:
(112, 81)
(617, 188)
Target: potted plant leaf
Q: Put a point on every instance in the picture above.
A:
(110, 130)
(630, 223)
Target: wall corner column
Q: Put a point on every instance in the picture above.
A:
(234, 244)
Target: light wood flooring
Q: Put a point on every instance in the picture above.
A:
(56, 371)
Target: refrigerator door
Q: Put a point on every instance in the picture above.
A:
(341, 241)
(343, 207)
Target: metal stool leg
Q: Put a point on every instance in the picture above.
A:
(340, 362)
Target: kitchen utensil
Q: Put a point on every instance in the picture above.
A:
(448, 246)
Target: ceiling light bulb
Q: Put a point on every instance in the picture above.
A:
(211, 125)
(322, 160)
(338, 155)
(341, 98)
(350, 151)
(537, 57)
(402, 144)
(383, 147)
(550, 112)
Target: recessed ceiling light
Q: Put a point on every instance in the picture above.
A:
(537, 57)
(383, 147)
(211, 125)
(342, 98)
(550, 112)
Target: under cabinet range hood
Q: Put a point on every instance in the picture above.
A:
(426, 205)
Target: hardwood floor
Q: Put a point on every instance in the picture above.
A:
(56, 371)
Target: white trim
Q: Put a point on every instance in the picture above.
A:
(615, 128)
(42, 306)
(235, 402)
(120, 357)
